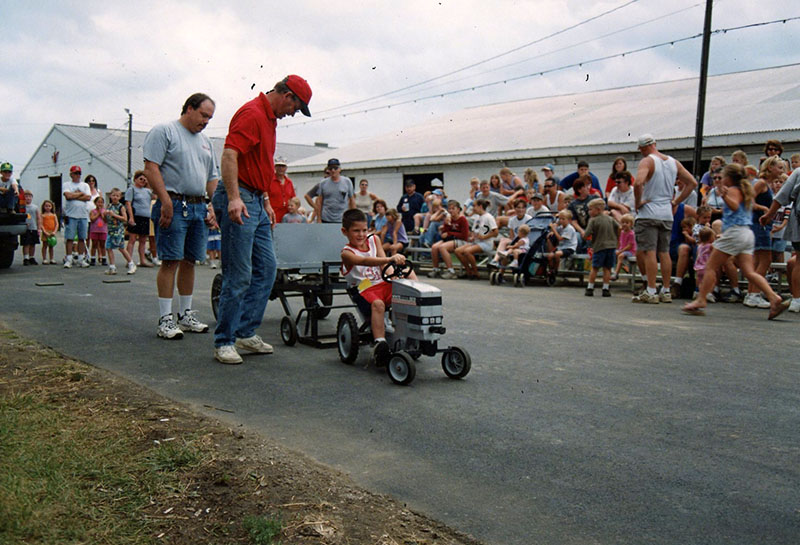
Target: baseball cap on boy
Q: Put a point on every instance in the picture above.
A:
(548, 166)
(6, 167)
(74, 169)
(301, 90)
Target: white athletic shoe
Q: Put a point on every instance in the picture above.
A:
(762, 302)
(188, 322)
(167, 328)
(131, 268)
(794, 306)
(755, 300)
(83, 263)
(111, 270)
(68, 262)
(254, 344)
(227, 354)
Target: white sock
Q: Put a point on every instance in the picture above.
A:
(451, 269)
(677, 281)
(379, 339)
(164, 306)
(590, 285)
(651, 291)
(185, 303)
(605, 286)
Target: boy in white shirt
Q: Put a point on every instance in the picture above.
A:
(484, 231)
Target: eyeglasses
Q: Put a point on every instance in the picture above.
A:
(548, 186)
(716, 178)
(771, 148)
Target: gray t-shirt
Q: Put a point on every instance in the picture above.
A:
(186, 159)
(139, 197)
(75, 208)
(30, 221)
(335, 198)
(788, 193)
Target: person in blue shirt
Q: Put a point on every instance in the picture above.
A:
(409, 204)
(583, 170)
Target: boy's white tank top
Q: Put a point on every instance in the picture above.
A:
(363, 276)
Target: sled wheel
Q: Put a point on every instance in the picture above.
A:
(347, 338)
(493, 278)
(288, 331)
(216, 289)
(551, 279)
(456, 362)
(401, 368)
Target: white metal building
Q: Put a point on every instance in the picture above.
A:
(743, 110)
(103, 152)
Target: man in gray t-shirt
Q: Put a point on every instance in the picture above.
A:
(181, 167)
(336, 194)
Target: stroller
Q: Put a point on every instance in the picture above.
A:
(534, 260)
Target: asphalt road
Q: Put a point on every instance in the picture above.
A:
(582, 421)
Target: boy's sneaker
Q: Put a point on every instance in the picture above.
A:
(52, 261)
(755, 300)
(254, 344)
(111, 270)
(514, 264)
(711, 298)
(93, 262)
(606, 292)
(83, 263)
(435, 273)
(25, 262)
(131, 268)
(646, 297)
(589, 292)
(188, 322)
(447, 275)
(167, 328)
(104, 262)
(32, 261)
(156, 261)
(493, 263)
(664, 297)
(381, 353)
(67, 262)
(227, 354)
(213, 263)
(794, 306)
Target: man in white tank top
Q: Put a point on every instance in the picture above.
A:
(654, 191)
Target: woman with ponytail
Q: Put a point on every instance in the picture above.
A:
(737, 240)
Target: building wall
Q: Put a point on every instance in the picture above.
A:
(41, 167)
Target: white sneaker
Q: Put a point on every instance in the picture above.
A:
(156, 261)
(131, 268)
(711, 298)
(761, 302)
(111, 270)
(187, 322)
(227, 354)
(794, 306)
(254, 344)
(647, 298)
(213, 263)
(83, 263)
(514, 264)
(167, 328)
(68, 263)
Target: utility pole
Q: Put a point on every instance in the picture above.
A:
(701, 96)
(130, 137)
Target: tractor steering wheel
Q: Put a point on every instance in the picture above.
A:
(400, 271)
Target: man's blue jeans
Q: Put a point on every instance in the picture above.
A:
(248, 268)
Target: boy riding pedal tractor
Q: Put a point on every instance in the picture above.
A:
(362, 260)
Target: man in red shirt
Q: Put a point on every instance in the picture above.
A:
(280, 190)
(246, 217)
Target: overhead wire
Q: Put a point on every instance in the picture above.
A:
(543, 72)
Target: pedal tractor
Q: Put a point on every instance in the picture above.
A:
(416, 315)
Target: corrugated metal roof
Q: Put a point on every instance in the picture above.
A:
(111, 146)
(743, 102)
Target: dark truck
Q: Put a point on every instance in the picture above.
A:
(12, 224)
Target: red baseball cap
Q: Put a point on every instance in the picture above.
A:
(301, 90)
(74, 168)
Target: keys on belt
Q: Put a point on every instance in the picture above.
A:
(185, 209)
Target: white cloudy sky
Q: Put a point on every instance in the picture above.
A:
(81, 61)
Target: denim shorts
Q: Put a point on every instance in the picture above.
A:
(185, 237)
(73, 226)
(762, 236)
(604, 259)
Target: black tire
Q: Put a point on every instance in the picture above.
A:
(324, 300)
(288, 331)
(551, 279)
(347, 338)
(216, 289)
(8, 246)
(456, 362)
(401, 368)
(493, 278)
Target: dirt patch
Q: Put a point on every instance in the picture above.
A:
(225, 479)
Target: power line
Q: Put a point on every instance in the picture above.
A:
(543, 72)
(484, 61)
(560, 50)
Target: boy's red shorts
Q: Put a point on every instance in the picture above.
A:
(382, 291)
